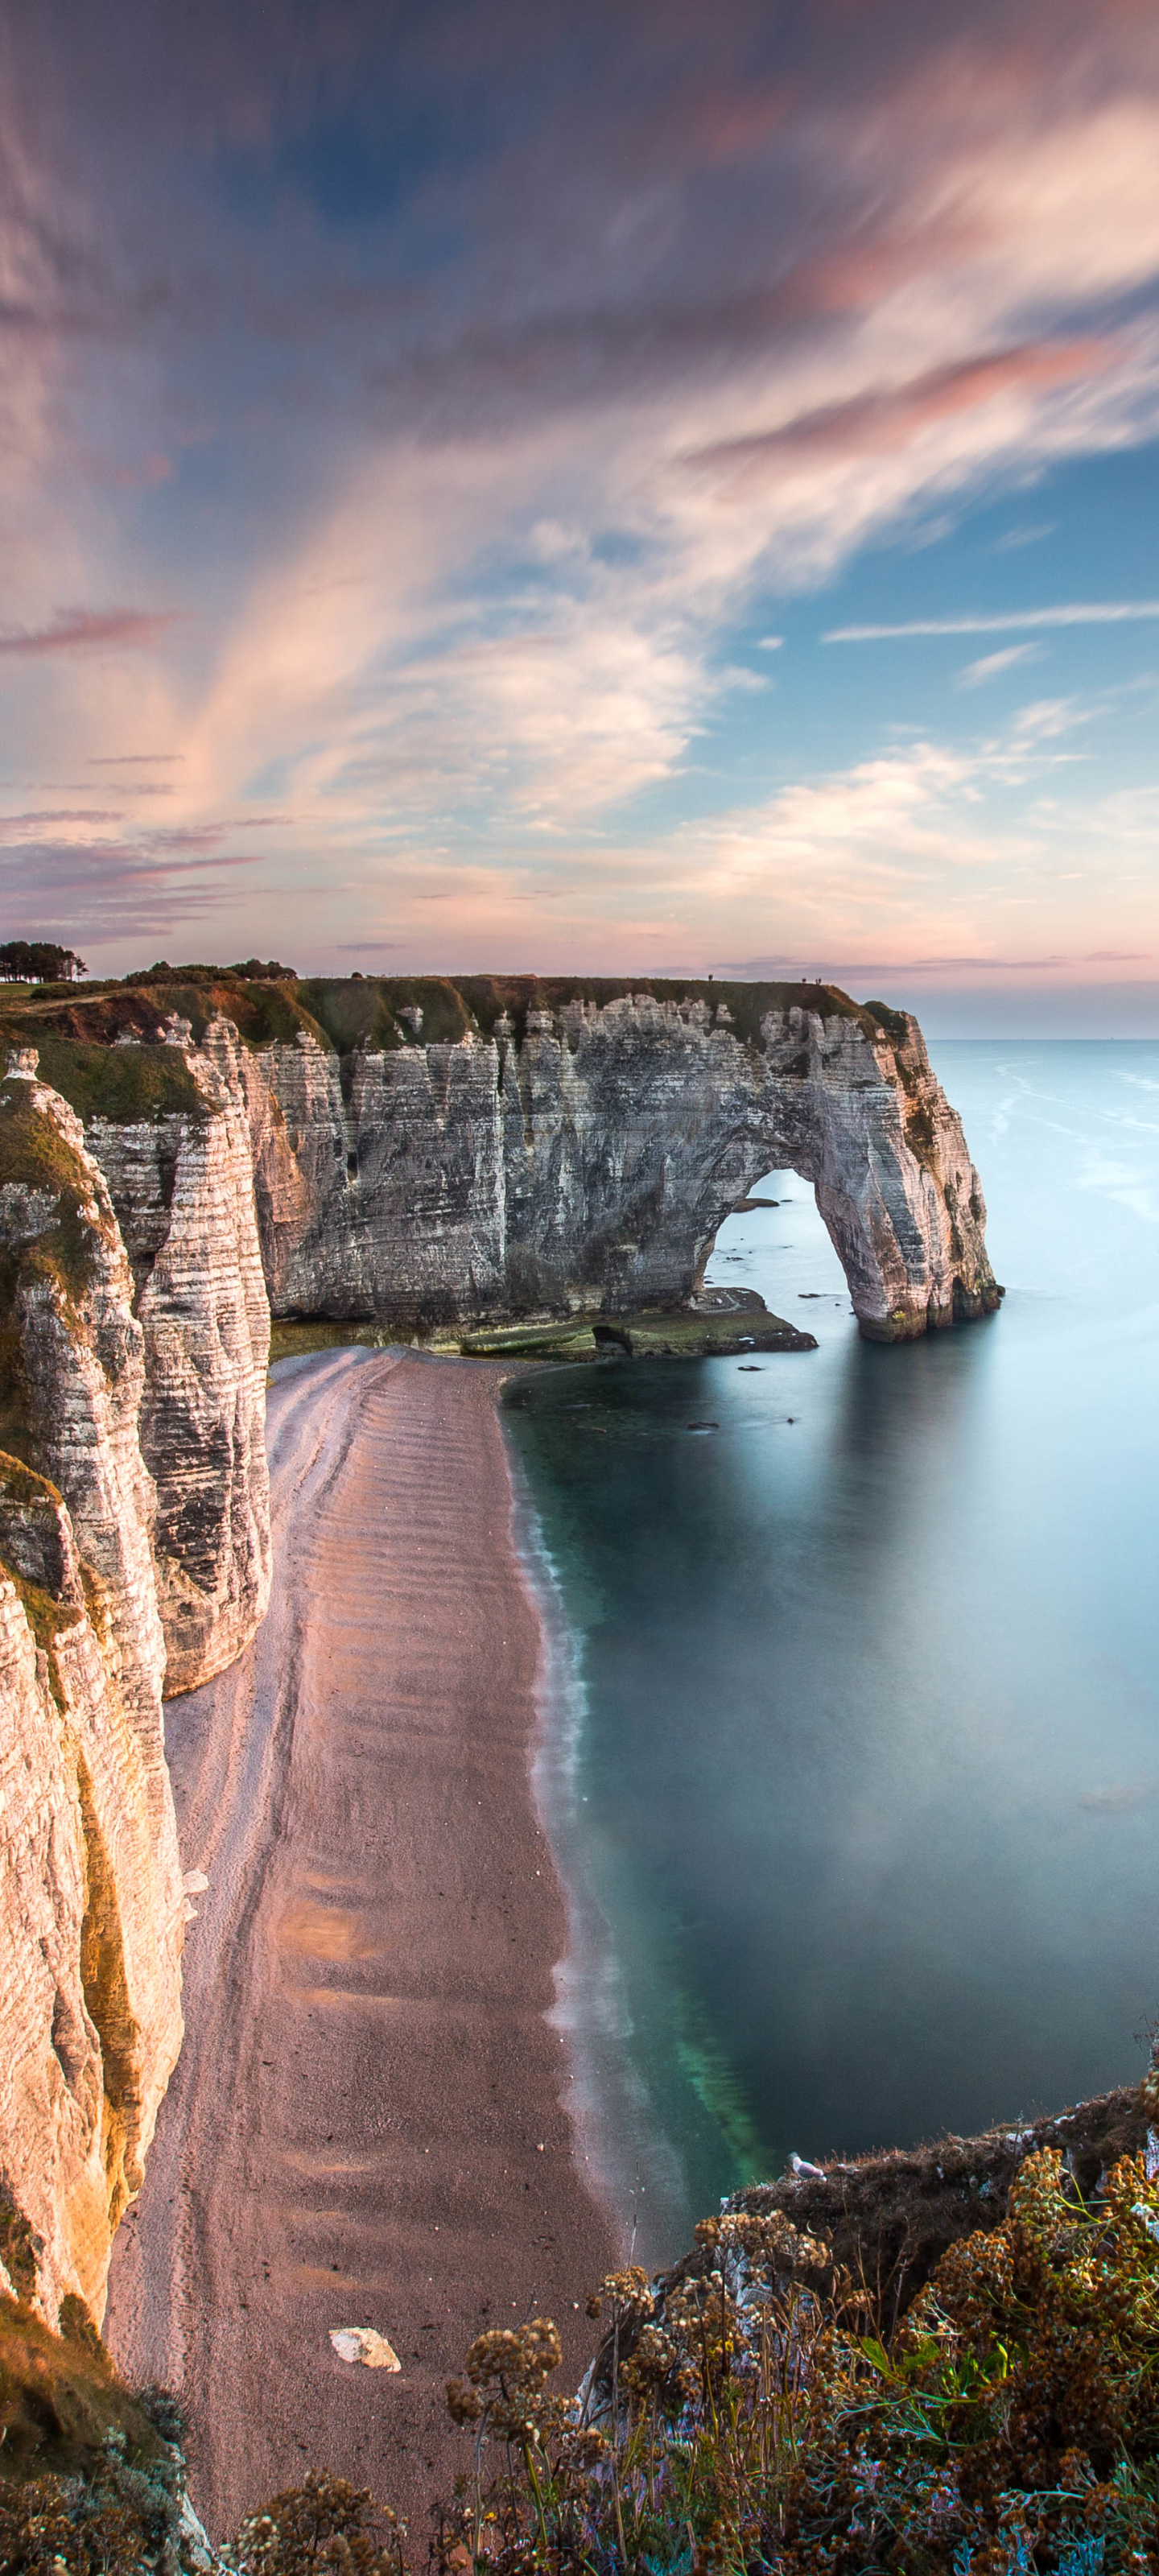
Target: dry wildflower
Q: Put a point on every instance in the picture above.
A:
(506, 2371)
(750, 2417)
(627, 2294)
(319, 2529)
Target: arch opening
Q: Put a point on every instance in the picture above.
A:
(773, 1244)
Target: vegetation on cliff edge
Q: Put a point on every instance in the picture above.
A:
(755, 2416)
(754, 2411)
(76, 1027)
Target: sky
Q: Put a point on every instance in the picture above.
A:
(599, 486)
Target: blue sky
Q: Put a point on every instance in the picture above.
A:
(446, 450)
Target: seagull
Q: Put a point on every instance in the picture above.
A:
(803, 2171)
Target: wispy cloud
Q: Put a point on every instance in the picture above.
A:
(837, 965)
(1013, 540)
(1090, 612)
(107, 889)
(886, 417)
(25, 826)
(84, 629)
(991, 665)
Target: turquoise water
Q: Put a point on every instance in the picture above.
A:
(851, 1753)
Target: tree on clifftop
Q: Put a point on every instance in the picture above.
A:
(39, 961)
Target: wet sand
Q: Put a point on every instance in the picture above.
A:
(368, 2123)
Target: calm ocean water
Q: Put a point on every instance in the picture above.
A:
(852, 1754)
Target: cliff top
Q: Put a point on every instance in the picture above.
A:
(76, 1028)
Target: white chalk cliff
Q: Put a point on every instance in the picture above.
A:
(585, 1160)
(91, 1905)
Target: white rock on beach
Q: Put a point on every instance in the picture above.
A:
(362, 2343)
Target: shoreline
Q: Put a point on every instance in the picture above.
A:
(636, 2170)
(369, 2122)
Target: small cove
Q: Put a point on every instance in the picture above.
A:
(851, 1755)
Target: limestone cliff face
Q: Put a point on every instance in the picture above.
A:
(76, 1375)
(91, 1903)
(391, 1203)
(588, 1160)
(182, 1187)
(90, 1934)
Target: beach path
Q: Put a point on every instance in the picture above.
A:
(368, 2122)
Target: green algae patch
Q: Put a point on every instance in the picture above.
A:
(652, 1334)
(687, 1336)
(22, 1486)
(532, 1342)
(61, 1237)
(26, 1500)
(291, 1341)
(33, 1153)
(15, 1424)
(47, 1618)
(893, 1024)
(34, 1156)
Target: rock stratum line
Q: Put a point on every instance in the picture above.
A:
(178, 1155)
(352, 2134)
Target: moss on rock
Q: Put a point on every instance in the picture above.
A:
(61, 2398)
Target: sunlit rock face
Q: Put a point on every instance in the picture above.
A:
(76, 1378)
(90, 1947)
(91, 1902)
(588, 1162)
(182, 1187)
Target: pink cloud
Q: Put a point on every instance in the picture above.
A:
(770, 968)
(22, 824)
(80, 629)
(115, 889)
(885, 420)
(145, 476)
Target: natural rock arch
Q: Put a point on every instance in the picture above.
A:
(580, 1154)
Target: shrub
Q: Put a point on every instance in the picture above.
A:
(322, 2526)
(751, 2416)
(113, 2520)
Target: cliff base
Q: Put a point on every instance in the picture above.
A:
(680, 1333)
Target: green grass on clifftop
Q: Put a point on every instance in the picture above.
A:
(75, 1026)
(347, 1012)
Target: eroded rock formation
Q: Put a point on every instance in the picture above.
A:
(91, 1904)
(182, 1187)
(583, 1160)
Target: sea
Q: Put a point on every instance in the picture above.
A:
(850, 1734)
